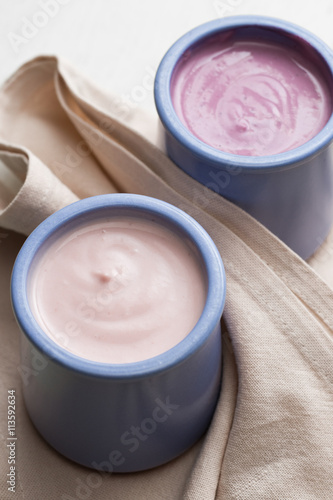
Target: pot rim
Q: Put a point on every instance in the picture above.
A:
(129, 204)
(209, 154)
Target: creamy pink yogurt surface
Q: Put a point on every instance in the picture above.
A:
(118, 291)
(250, 97)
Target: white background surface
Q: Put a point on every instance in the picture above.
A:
(119, 43)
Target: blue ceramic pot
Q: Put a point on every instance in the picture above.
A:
(290, 192)
(121, 417)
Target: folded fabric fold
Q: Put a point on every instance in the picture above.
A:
(34, 193)
(271, 435)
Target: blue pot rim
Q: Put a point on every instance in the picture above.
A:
(216, 288)
(198, 148)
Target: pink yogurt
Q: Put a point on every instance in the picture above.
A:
(250, 97)
(118, 291)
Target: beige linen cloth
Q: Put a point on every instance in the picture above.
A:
(272, 433)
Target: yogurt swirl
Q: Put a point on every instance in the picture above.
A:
(250, 97)
(118, 291)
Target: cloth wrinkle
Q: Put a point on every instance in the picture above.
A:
(271, 435)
